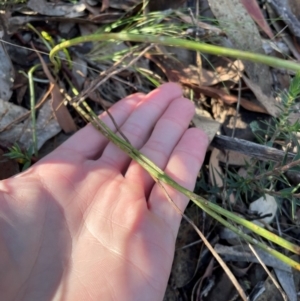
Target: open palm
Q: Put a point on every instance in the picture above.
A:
(87, 223)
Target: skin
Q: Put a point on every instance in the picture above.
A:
(87, 223)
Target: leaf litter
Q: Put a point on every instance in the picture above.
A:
(219, 87)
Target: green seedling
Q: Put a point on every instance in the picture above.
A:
(21, 156)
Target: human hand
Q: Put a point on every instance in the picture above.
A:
(86, 222)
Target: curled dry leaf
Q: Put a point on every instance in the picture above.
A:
(238, 271)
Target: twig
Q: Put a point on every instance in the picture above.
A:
(276, 170)
(251, 149)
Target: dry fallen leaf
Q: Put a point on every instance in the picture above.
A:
(177, 70)
(216, 174)
(268, 102)
(215, 171)
(61, 113)
(254, 11)
(21, 132)
(243, 34)
(208, 125)
(6, 74)
(46, 8)
(229, 98)
(79, 72)
(46, 127)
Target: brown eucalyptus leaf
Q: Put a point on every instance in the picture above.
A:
(231, 99)
(244, 35)
(60, 111)
(254, 11)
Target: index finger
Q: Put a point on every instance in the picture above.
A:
(88, 141)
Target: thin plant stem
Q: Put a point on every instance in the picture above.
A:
(177, 42)
(32, 107)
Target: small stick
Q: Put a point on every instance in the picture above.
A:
(251, 149)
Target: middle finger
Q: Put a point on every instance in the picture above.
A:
(140, 123)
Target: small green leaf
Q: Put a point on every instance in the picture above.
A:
(26, 165)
